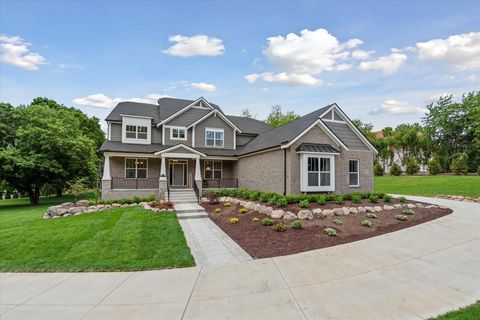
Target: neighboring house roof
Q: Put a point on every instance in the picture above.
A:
(249, 125)
(316, 147)
(134, 109)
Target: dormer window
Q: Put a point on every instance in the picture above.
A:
(178, 133)
(136, 129)
(136, 132)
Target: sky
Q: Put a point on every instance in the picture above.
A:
(380, 61)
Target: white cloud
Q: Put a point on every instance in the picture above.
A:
(472, 78)
(361, 54)
(435, 97)
(460, 51)
(284, 77)
(343, 67)
(396, 107)
(387, 64)
(102, 101)
(199, 45)
(14, 50)
(203, 86)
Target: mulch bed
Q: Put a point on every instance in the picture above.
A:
(261, 241)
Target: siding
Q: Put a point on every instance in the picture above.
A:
(156, 134)
(116, 131)
(343, 131)
(188, 117)
(213, 122)
(170, 142)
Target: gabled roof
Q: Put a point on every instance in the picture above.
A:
(169, 107)
(134, 109)
(249, 125)
(316, 147)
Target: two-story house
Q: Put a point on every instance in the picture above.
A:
(152, 149)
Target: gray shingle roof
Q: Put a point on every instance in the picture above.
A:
(316, 147)
(248, 125)
(134, 108)
(168, 106)
(118, 146)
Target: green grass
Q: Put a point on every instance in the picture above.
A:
(429, 185)
(471, 312)
(120, 239)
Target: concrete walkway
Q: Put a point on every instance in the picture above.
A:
(414, 273)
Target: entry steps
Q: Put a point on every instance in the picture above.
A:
(186, 204)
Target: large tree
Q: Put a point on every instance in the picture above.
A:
(48, 146)
(277, 117)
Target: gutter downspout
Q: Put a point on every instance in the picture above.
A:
(284, 172)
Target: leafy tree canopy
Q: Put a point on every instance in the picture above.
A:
(277, 118)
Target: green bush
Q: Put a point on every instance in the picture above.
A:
(227, 204)
(297, 224)
(218, 210)
(357, 198)
(280, 227)
(434, 167)
(330, 232)
(409, 212)
(459, 164)
(365, 195)
(378, 169)
(402, 199)
(366, 223)
(243, 210)
(292, 198)
(272, 200)
(321, 200)
(281, 202)
(387, 198)
(401, 217)
(373, 198)
(330, 197)
(338, 221)
(395, 170)
(339, 200)
(411, 166)
(264, 197)
(267, 222)
(234, 220)
(304, 203)
(372, 216)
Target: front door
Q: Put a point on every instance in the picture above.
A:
(178, 173)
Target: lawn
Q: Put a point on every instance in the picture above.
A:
(429, 185)
(471, 312)
(119, 239)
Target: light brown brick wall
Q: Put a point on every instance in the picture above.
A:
(117, 167)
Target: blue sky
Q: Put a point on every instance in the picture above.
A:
(381, 62)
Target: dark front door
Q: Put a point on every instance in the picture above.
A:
(178, 173)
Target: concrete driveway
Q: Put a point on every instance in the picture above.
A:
(414, 273)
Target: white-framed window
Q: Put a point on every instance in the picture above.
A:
(214, 137)
(212, 169)
(178, 133)
(136, 168)
(353, 173)
(136, 132)
(136, 129)
(317, 172)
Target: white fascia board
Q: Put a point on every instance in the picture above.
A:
(129, 154)
(181, 145)
(215, 112)
(134, 116)
(176, 114)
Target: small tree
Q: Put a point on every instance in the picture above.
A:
(434, 167)
(395, 170)
(412, 166)
(378, 169)
(78, 187)
(459, 164)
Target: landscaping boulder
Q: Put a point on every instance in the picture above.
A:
(341, 211)
(369, 209)
(116, 205)
(387, 207)
(317, 213)
(442, 206)
(397, 206)
(289, 216)
(74, 210)
(235, 201)
(61, 211)
(67, 204)
(277, 214)
(431, 206)
(305, 214)
(82, 203)
(328, 213)
(353, 210)
(411, 206)
(257, 207)
(419, 205)
(267, 211)
(361, 210)
(243, 203)
(250, 205)
(377, 209)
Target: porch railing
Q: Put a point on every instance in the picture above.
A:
(220, 183)
(197, 192)
(121, 183)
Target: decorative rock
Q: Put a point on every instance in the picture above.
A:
(369, 209)
(377, 209)
(353, 210)
(125, 205)
(397, 206)
(61, 212)
(116, 205)
(78, 213)
(67, 204)
(250, 205)
(46, 216)
(431, 206)
(419, 205)
(268, 211)
(328, 213)
(55, 217)
(277, 214)
(235, 201)
(82, 203)
(257, 207)
(76, 209)
(442, 206)
(289, 216)
(305, 214)
(317, 213)
(67, 215)
(243, 203)
(361, 210)
(387, 207)
(341, 211)
(410, 205)
(202, 199)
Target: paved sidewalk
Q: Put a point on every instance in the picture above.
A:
(415, 273)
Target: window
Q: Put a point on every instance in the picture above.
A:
(178, 133)
(317, 172)
(135, 168)
(214, 137)
(213, 169)
(136, 132)
(353, 173)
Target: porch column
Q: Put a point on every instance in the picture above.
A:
(162, 180)
(106, 178)
(106, 168)
(198, 176)
(163, 176)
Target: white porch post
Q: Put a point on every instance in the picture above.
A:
(106, 178)
(163, 176)
(198, 175)
(106, 168)
(162, 180)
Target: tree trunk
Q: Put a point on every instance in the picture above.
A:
(59, 192)
(34, 195)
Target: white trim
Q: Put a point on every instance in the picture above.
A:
(106, 168)
(325, 129)
(259, 152)
(136, 122)
(336, 121)
(163, 135)
(176, 114)
(214, 139)
(193, 136)
(134, 116)
(304, 173)
(181, 145)
(136, 168)
(234, 139)
(178, 128)
(215, 112)
(130, 155)
(213, 161)
(220, 158)
(358, 173)
(109, 132)
(179, 155)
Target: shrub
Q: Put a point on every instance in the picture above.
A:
(387, 198)
(264, 196)
(218, 210)
(378, 169)
(281, 202)
(459, 164)
(373, 198)
(402, 199)
(297, 224)
(254, 195)
(409, 212)
(227, 204)
(330, 197)
(339, 200)
(434, 167)
(280, 227)
(365, 195)
(243, 210)
(357, 198)
(292, 198)
(401, 217)
(366, 223)
(267, 222)
(395, 170)
(272, 200)
(255, 219)
(234, 220)
(212, 197)
(330, 232)
(372, 216)
(338, 221)
(304, 203)
(411, 166)
(321, 200)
